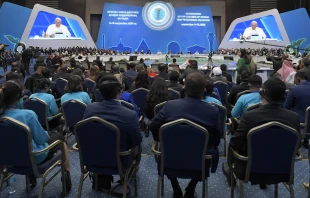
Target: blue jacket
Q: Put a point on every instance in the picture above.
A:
(298, 99)
(125, 119)
(50, 101)
(131, 73)
(126, 96)
(244, 102)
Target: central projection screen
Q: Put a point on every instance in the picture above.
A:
(158, 26)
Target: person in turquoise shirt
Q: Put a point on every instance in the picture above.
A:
(255, 84)
(44, 85)
(74, 90)
(11, 92)
(209, 90)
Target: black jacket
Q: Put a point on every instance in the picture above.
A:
(176, 86)
(187, 72)
(228, 76)
(61, 74)
(254, 118)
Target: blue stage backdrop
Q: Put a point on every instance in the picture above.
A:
(44, 19)
(157, 26)
(297, 25)
(14, 20)
(267, 23)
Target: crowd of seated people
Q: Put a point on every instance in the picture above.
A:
(196, 90)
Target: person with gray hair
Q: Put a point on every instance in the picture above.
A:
(254, 31)
(57, 28)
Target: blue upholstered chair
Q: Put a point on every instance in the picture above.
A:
(215, 95)
(139, 96)
(263, 155)
(175, 94)
(90, 85)
(98, 96)
(73, 111)
(41, 109)
(128, 82)
(242, 93)
(20, 159)
(60, 85)
(182, 161)
(128, 105)
(230, 85)
(95, 134)
(159, 107)
(254, 106)
(225, 123)
(223, 90)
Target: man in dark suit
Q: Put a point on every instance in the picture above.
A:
(306, 69)
(113, 111)
(243, 86)
(298, 98)
(63, 73)
(174, 82)
(271, 95)
(132, 71)
(193, 68)
(162, 68)
(225, 74)
(194, 109)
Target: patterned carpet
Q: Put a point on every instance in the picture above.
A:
(147, 181)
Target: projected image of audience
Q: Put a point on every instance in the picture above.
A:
(259, 29)
(51, 26)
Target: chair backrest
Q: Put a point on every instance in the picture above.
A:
(176, 156)
(16, 152)
(159, 107)
(90, 85)
(40, 108)
(108, 66)
(128, 105)
(254, 106)
(73, 111)
(265, 142)
(175, 68)
(215, 95)
(139, 96)
(60, 85)
(93, 135)
(98, 96)
(230, 85)
(123, 65)
(223, 115)
(242, 93)
(223, 89)
(154, 68)
(306, 131)
(175, 94)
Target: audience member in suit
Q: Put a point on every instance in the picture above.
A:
(193, 68)
(297, 98)
(243, 86)
(125, 119)
(132, 71)
(174, 82)
(141, 81)
(255, 84)
(217, 75)
(194, 109)
(306, 69)
(208, 93)
(271, 95)
(63, 73)
(225, 74)
(174, 62)
(30, 82)
(158, 93)
(74, 90)
(162, 68)
(10, 95)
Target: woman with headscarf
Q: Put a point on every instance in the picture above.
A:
(287, 72)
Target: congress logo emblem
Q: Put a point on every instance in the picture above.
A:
(158, 15)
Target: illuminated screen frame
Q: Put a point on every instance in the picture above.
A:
(226, 43)
(55, 43)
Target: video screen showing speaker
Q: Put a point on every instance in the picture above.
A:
(259, 29)
(51, 26)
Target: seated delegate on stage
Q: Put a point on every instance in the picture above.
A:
(57, 28)
(254, 31)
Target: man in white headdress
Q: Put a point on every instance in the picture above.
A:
(254, 31)
(57, 28)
